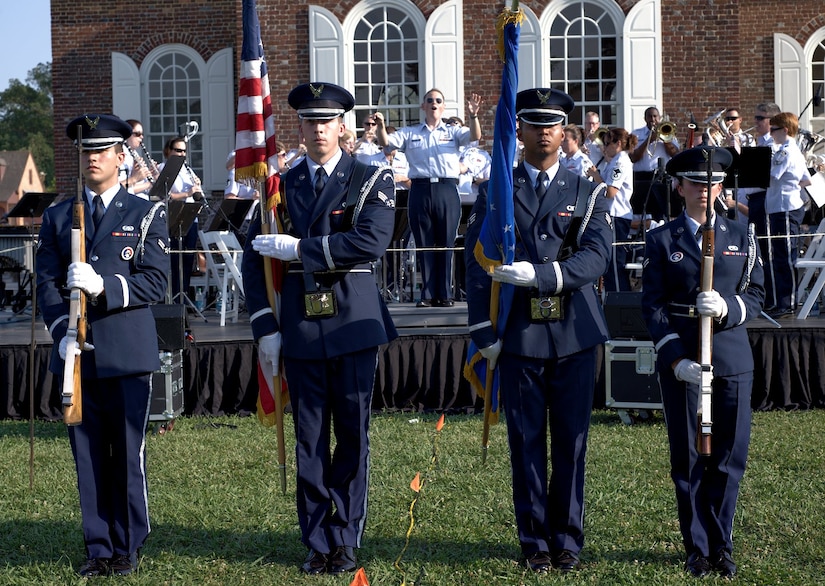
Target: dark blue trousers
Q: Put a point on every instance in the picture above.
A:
(707, 487)
(558, 392)
(780, 277)
(332, 396)
(435, 212)
(110, 456)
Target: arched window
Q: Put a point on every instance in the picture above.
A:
(584, 60)
(817, 117)
(386, 66)
(173, 82)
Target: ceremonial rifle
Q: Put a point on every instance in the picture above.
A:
(706, 323)
(76, 332)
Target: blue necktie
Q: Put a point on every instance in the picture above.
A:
(541, 189)
(320, 180)
(98, 211)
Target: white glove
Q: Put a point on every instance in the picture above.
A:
(281, 246)
(491, 354)
(269, 354)
(521, 273)
(710, 303)
(688, 371)
(83, 276)
(64, 343)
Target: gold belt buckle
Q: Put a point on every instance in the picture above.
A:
(320, 304)
(546, 308)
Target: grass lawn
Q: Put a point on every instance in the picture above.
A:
(219, 517)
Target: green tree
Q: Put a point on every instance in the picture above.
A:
(26, 119)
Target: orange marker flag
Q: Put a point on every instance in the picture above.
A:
(360, 578)
(440, 424)
(416, 483)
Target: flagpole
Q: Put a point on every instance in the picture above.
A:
(276, 379)
(488, 381)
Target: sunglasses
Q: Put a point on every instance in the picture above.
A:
(729, 118)
(775, 128)
(436, 100)
(179, 150)
(137, 134)
(369, 123)
(761, 118)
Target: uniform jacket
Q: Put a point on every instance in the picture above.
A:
(130, 251)
(671, 276)
(540, 232)
(339, 258)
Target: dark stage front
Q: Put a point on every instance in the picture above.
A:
(421, 370)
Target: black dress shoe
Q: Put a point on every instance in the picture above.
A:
(94, 567)
(123, 564)
(566, 561)
(782, 313)
(342, 560)
(697, 565)
(443, 303)
(724, 564)
(424, 303)
(315, 563)
(540, 562)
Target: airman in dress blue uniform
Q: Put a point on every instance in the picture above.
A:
(126, 272)
(330, 349)
(706, 486)
(547, 359)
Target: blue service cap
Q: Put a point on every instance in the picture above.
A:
(692, 164)
(320, 100)
(543, 106)
(98, 131)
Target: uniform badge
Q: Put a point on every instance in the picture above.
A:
(616, 174)
(128, 228)
(163, 246)
(676, 256)
(733, 247)
(388, 201)
(609, 219)
(571, 208)
(472, 219)
(127, 253)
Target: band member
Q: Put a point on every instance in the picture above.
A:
(706, 486)
(548, 358)
(331, 322)
(649, 157)
(127, 252)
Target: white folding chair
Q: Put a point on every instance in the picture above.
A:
(223, 262)
(808, 266)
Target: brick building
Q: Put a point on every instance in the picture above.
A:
(169, 62)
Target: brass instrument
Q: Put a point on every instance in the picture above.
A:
(598, 136)
(666, 131)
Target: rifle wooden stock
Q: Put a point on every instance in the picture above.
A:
(705, 422)
(76, 332)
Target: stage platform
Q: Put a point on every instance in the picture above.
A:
(419, 371)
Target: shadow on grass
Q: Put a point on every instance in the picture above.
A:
(24, 542)
(42, 429)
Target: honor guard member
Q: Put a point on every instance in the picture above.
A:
(126, 271)
(338, 216)
(548, 352)
(706, 486)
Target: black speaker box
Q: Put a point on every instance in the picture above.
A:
(623, 311)
(169, 322)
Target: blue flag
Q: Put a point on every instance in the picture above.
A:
(497, 240)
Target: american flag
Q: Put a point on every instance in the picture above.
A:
(256, 158)
(255, 151)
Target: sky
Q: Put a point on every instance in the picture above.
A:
(25, 38)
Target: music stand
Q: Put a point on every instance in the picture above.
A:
(181, 217)
(230, 215)
(750, 168)
(167, 177)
